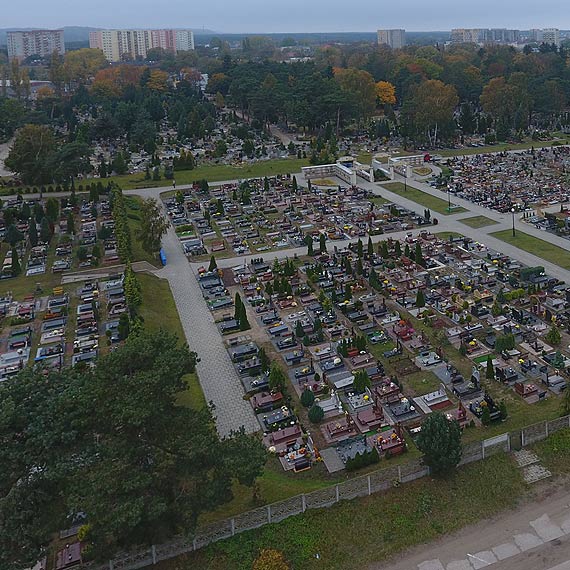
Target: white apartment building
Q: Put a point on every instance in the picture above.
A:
(42, 43)
(118, 45)
(551, 36)
(396, 39)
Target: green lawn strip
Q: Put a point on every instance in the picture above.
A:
(159, 311)
(421, 382)
(500, 147)
(214, 173)
(554, 452)
(536, 246)
(133, 216)
(478, 222)
(393, 521)
(447, 235)
(432, 202)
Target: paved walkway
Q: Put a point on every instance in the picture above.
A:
(218, 378)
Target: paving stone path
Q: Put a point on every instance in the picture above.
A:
(218, 377)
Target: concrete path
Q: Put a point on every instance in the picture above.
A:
(218, 378)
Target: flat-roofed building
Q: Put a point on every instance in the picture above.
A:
(43, 43)
(118, 45)
(396, 39)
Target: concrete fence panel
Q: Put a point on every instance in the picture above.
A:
(251, 519)
(534, 433)
(558, 424)
(384, 479)
(357, 487)
(288, 508)
(321, 498)
(213, 532)
(413, 470)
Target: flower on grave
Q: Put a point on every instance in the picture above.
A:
(472, 343)
(366, 397)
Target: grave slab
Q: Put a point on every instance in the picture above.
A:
(546, 529)
(527, 541)
(506, 550)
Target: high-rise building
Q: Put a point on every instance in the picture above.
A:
(35, 42)
(118, 45)
(551, 36)
(396, 39)
(467, 35)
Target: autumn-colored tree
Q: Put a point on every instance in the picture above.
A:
(82, 64)
(158, 80)
(386, 93)
(433, 104)
(112, 81)
(360, 84)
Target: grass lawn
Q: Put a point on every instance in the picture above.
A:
(447, 235)
(133, 215)
(478, 222)
(393, 521)
(432, 202)
(215, 173)
(159, 312)
(421, 382)
(536, 246)
(500, 147)
(379, 201)
(554, 452)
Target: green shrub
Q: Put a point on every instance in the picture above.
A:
(316, 414)
(307, 398)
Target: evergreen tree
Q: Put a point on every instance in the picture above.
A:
(70, 223)
(45, 231)
(16, 269)
(440, 442)
(420, 299)
(237, 307)
(309, 242)
(398, 250)
(322, 243)
(490, 373)
(370, 248)
(33, 233)
(213, 264)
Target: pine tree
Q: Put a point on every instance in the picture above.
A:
(16, 269)
(33, 233)
(370, 248)
(360, 248)
(213, 265)
(237, 307)
(490, 373)
(420, 299)
(322, 243)
(309, 242)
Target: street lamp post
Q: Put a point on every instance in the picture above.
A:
(405, 178)
(513, 214)
(448, 199)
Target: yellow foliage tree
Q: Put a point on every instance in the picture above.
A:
(270, 559)
(386, 93)
(157, 80)
(82, 64)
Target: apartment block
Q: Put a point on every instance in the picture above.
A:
(396, 39)
(43, 43)
(119, 45)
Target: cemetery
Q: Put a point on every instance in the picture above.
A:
(268, 214)
(348, 328)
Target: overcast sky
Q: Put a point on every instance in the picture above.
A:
(288, 15)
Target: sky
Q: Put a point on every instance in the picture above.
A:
(270, 16)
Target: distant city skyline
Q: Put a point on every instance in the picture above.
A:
(295, 16)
